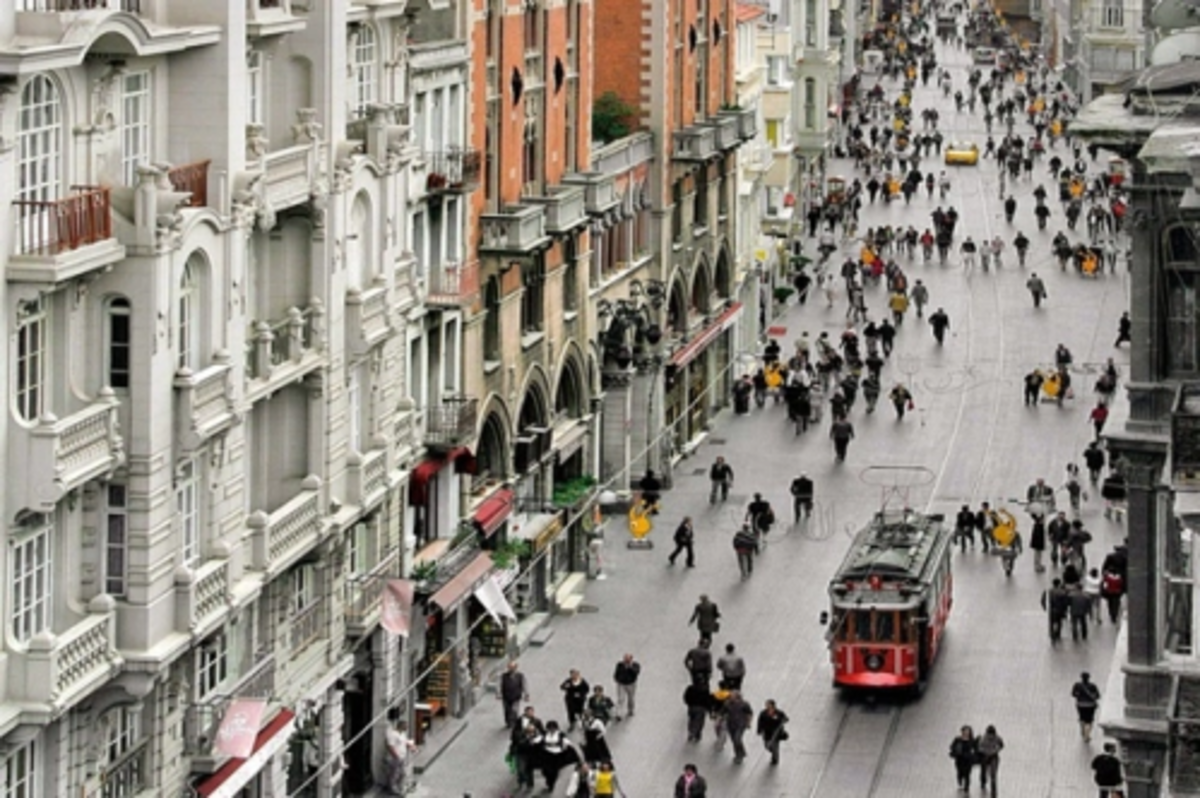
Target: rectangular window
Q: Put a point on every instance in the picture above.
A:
(304, 587)
(363, 57)
(254, 89)
(777, 71)
(212, 665)
(116, 541)
(773, 133)
(187, 505)
(810, 23)
(354, 409)
(20, 772)
(1113, 14)
(119, 342)
(135, 125)
(810, 104)
(124, 732)
(31, 584)
(31, 359)
(701, 81)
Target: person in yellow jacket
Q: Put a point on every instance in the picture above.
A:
(606, 783)
(898, 304)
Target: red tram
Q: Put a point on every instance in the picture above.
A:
(890, 601)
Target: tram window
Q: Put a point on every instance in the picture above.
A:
(906, 619)
(885, 626)
(859, 626)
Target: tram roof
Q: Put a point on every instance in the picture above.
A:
(899, 544)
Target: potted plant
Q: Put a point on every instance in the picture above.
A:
(423, 573)
(782, 292)
(510, 553)
(572, 491)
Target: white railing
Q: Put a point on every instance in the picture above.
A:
(205, 400)
(271, 344)
(62, 454)
(364, 590)
(304, 627)
(284, 534)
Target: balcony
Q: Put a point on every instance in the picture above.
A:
(599, 191)
(696, 144)
(368, 317)
(452, 171)
(203, 402)
(58, 240)
(304, 628)
(281, 351)
(274, 17)
(129, 774)
(517, 230)
(202, 719)
(202, 597)
(453, 284)
(367, 476)
(564, 209)
(280, 538)
(747, 121)
(363, 592)
(192, 178)
(451, 423)
(623, 154)
(130, 6)
(58, 671)
(727, 135)
(289, 174)
(55, 456)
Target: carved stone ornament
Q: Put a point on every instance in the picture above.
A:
(1140, 469)
(256, 142)
(8, 87)
(103, 93)
(307, 129)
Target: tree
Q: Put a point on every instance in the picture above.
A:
(611, 117)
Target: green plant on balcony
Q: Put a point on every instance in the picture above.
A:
(425, 571)
(572, 491)
(509, 553)
(611, 117)
(727, 106)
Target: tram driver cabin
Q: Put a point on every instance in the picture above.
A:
(890, 601)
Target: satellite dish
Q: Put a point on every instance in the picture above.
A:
(1175, 14)
(1175, 48)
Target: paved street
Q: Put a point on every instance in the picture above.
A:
(972, 431)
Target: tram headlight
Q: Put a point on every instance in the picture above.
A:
(874, 661)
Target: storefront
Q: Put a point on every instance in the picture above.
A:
(698, 380)
(539, 568)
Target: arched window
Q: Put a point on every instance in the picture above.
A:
(188, 318)
(1181, 275)
(118, 343)
(39, 161)
(364, 55)
(491, 322)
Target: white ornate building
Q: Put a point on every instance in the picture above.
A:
(231, 289)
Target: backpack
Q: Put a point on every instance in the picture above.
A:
(1112, 584)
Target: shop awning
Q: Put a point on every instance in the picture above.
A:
(494, 511)
(235, 774)
(694, 348)
(461, 585)
(418, 481)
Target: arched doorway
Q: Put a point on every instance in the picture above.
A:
(491, 453)
(570, 406)
(723, 277)
(677, 308)
(532, 431)
(702, 288)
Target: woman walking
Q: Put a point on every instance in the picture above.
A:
(964, 750)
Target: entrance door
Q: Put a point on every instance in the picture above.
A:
(356, 706)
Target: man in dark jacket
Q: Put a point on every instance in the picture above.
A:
(940, 322)
(1106, 771)
(707, 617)
(738, 716)
(684, 537)
(513, 690)
(699, 662)
(802, 497)
(698, 700)
(1058, 530)
(964, 527)
(746, 545)
(770, 727)
(626, 676)
(1056, 603)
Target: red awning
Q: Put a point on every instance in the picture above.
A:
(463, 583)
(418, 481)
(693, 348)
(494, 510)
(236, 773)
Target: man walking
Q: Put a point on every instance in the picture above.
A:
(513, 690)
(732, 668)
(1106, 772)
(399, 746)
(842, 431)
(699, 663)
(802, 498)
(707, 617)
(920, 297)
(1087, 698)
(745, 543)
(1037, 289)
(738, 716)
(1081, 612)
(684, 537)
(1056, 603)
(575, 695)
(626, 676)
(940, 322)
(1124, 329)
(771, 727)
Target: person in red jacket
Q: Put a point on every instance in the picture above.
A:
(1098, 417)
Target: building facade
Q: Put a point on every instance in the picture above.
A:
(1107, 45)
(221, 285)
(1151, 699)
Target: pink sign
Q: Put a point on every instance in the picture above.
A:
(396, 614)
(239, 727)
